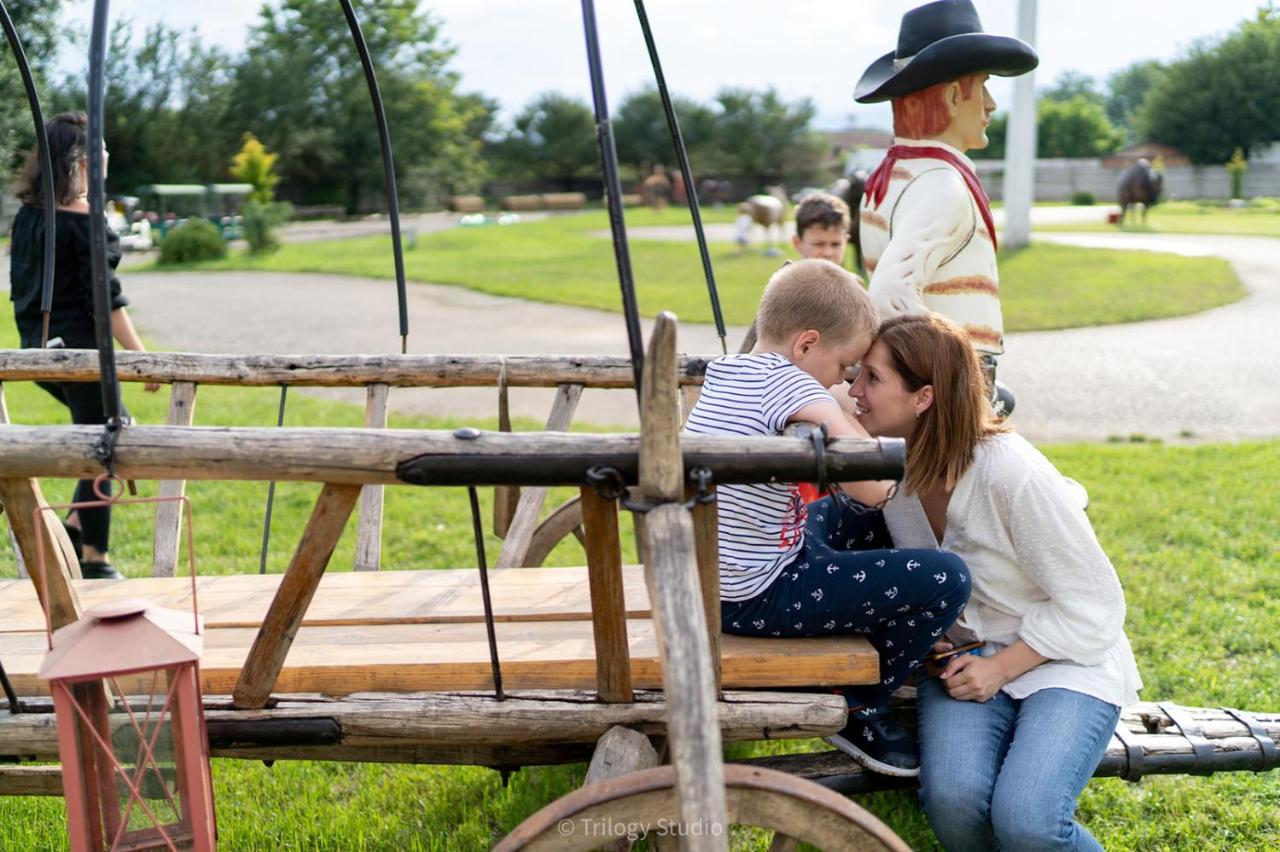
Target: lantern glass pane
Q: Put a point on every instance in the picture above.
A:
(146, 804)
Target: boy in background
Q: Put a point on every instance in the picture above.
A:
(788, 569)
(822, 228)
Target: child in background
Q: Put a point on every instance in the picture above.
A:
(796, 570)
(822, 228)
(742, 227)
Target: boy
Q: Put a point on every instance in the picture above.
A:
(787, 569)
(822, 228)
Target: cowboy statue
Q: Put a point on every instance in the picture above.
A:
(927, 235)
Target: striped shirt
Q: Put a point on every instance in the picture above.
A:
(762, 524)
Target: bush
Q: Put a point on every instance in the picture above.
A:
(1083, 199)
(259, 220)
(195, 239)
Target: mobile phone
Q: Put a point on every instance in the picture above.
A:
(939, 656)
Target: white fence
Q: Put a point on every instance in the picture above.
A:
(1058, 180)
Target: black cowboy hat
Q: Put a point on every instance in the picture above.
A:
(938, 42)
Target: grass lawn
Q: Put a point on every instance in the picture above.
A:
(1186, 217)
(1192, 532)
(561, 260)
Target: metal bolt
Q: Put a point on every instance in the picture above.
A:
(466, 433)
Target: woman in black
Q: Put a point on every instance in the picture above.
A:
(71, 317)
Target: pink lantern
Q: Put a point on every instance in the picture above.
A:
(125, 680)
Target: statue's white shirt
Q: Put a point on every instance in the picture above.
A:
(927, 249)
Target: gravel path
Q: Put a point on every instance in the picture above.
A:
(1208, 376)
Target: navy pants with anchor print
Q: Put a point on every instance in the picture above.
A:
(848, 579)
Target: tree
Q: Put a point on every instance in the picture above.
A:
(1220, 96)
(1071, 85)
(1127, 90)
(166, 104)
(301, 89)
(552, 138)
(1076, 127)
(640, 128)
(761, 136)
(255, 165)
(36, 24)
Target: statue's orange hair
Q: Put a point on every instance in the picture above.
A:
(924, 114)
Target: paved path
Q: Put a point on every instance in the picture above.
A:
(1210, 375)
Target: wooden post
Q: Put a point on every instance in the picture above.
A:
(280, 626)
(706, 533)
(525, 522)
(13, 538)
(608, 605)
(671, 572)
(505, 497)
(369, 533)
(20, 498)
(168, 531)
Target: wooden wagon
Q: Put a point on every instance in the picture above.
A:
(609, 662)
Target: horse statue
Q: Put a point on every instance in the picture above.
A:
(769, 211)
(1139, 184)
(849, 190)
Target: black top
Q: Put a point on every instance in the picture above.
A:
(71, 316)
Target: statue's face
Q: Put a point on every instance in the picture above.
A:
(971, 115)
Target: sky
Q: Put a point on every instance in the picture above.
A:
(513, 50)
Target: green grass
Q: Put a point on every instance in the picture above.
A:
(1192, 530)
(561, 260)
(1260, 218)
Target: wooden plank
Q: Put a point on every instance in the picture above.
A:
(608, 605)
(327, 370)
(505, 497)
(20, 498)
(168, 528)
(13, 538)
(378, 726)
(706, 535)
(688, 399)
(420, 457)
(369, 533)
(564, 521)
(385, 597)
(679, 619)
(619, 751)
(271, 645)
(515, 547)
(30, 780)
(432, 657)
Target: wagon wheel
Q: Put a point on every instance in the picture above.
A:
(795, 809)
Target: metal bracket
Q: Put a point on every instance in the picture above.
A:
(1268, 755)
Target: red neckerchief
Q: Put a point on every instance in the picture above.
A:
(878, 183)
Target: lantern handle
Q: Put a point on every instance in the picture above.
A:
(107, 499)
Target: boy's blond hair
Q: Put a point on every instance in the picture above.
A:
(815, 294)
(822, 210)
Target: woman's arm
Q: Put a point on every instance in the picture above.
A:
(972, 678)
(122, 330)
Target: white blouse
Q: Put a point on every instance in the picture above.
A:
(1037, 569)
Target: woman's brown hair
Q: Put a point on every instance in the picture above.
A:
(928, 350)
(67, 134)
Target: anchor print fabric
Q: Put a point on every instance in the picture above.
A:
(848, 579)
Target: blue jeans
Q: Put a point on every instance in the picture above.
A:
(848, 579)
(1005, 774)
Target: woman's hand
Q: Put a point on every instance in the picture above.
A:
(973, 678)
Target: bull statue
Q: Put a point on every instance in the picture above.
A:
(769, 211)
(849, 190)
(1139, 184)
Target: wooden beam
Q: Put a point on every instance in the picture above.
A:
(608, 606)
(543, 371)
(267, 656)
(706, 534)
(168, 529)
(363, 456)
(30, 780)
(13, 538)
(369, 533)
(21, 498)
(505, 497)
(688, 678)
(515, 547)
(566, 520)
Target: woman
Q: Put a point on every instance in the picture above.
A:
(1009, 736)
(71, 317)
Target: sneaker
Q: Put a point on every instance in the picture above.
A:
(99, 571)
(880, 744)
